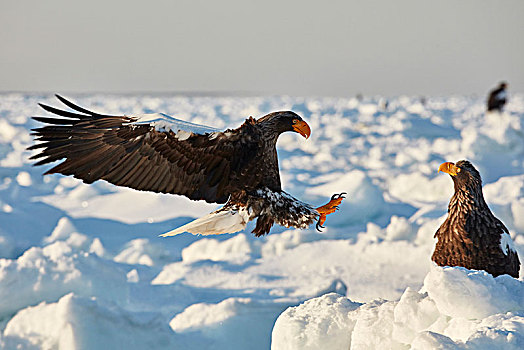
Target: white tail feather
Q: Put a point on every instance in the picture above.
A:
(215, 223)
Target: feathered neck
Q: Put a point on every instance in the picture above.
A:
(468, 196)
(270, 131)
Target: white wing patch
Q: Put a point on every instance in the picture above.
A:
(164, 123)
(501, 95)
(506, 243)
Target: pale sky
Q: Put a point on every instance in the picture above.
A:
(300, 48)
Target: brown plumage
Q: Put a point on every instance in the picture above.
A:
(167, 155)
(497, 98)
(471, 236)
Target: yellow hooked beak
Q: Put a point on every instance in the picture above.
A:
(302, 128)
(449, 168)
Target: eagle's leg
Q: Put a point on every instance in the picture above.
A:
(329, 208)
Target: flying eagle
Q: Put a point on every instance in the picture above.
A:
(158, 153)
(472, 236)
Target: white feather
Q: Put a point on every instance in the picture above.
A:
(218, 222)
(506, 243)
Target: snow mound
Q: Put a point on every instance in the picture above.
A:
(235, 250)
(86, 201)
(64, 228)
(322, 322)
(416, 187)
(142, 251)
(399, 228)
(48, 273)
(171, 273)
(491, 141)
(506, 198)
(232, 323)
(81, 323)
(364, 199)
(276, 245)
(198, 315)
(453, 289)
(456, 308)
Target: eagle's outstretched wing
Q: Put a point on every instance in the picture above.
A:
(158, 153)
(151, 153)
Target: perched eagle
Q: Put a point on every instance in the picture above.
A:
(497, 98)
(158, 153)
(472, 236)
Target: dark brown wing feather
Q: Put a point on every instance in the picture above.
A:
(475, 248)
(96, 146)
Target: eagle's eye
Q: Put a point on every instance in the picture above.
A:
(458, 170)
(295, 121)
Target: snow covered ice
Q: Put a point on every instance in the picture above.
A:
(455, 309)
(83, 267)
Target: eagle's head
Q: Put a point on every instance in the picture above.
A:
(465, 176)
(279, 122)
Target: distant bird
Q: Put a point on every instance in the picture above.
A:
(497, 97)
(158, 153)
(472, 236)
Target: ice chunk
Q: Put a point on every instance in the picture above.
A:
(203, 314)
(457, 308)
(64, 228)
(320, 323)
(374, 326)
(414, 312)
(399, 228)
(45, 274)
(80, 323)
(459, 292)
(24, 179)
(430, 340)
(233, 323)
(142, 251)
